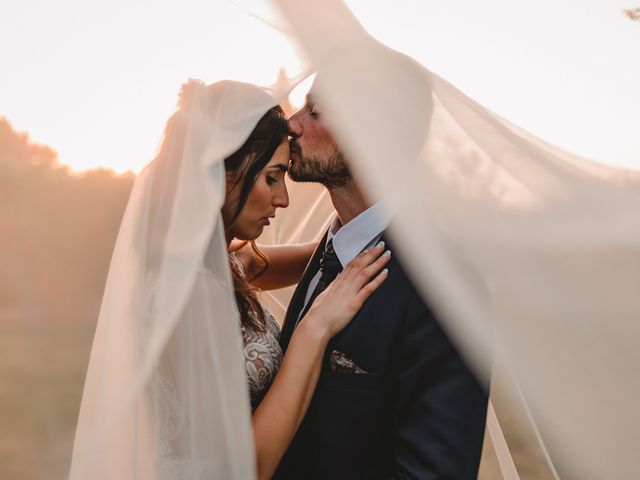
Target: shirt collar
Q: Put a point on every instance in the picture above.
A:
(350, 239)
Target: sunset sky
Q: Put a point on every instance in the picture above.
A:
(96, 81)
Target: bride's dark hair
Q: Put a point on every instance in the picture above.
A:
(243, 169)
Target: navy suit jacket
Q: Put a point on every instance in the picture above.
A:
(418, 412)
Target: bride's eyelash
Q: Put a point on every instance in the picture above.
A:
(314, 111)
(271, 180)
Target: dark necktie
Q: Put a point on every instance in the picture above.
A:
(330, 267)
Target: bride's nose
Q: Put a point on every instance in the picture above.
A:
(281, 198)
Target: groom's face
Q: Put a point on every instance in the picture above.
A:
(315, 156)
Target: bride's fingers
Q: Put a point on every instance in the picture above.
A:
(363, 260)
(367, 273)
(371, 287)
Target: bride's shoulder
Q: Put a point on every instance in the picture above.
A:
(233, 258)
(241, 257)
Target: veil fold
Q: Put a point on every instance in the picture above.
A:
(165, 395)
(529, 253)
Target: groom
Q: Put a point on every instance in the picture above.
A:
(394, 398)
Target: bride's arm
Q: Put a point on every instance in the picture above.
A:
(278, 416)
(286, 263)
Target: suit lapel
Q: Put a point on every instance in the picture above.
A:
(337, 340)
(297, 300)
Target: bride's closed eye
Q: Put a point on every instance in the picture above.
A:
(271, 180)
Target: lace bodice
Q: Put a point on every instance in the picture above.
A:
(262, 353)
(262, 356)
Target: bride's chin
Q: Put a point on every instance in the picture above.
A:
(255, 234)
(249, 236)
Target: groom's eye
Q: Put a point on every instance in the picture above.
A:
(314, 111)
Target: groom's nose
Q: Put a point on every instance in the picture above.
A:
(295, 127)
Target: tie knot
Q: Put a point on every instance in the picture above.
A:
(330, 265)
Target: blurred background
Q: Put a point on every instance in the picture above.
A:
(86, 89)
(57, 230)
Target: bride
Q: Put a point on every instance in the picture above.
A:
(280, 386)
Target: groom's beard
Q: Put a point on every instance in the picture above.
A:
(331, 172)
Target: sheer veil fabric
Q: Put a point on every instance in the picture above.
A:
(531, 256)
(165, 395)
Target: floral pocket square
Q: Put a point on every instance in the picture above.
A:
(340, 363)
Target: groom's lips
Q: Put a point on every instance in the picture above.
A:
(293, 157)
(295, 149)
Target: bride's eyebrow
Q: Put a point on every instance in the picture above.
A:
(279, 166)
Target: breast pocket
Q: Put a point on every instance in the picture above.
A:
(355, 381)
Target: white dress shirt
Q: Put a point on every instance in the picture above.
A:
(349, 240)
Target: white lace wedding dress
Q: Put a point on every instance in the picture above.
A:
(262, 352)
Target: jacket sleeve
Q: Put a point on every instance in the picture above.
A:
(441, 408)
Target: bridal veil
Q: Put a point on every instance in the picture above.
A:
(530, 254)
(165, 395)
